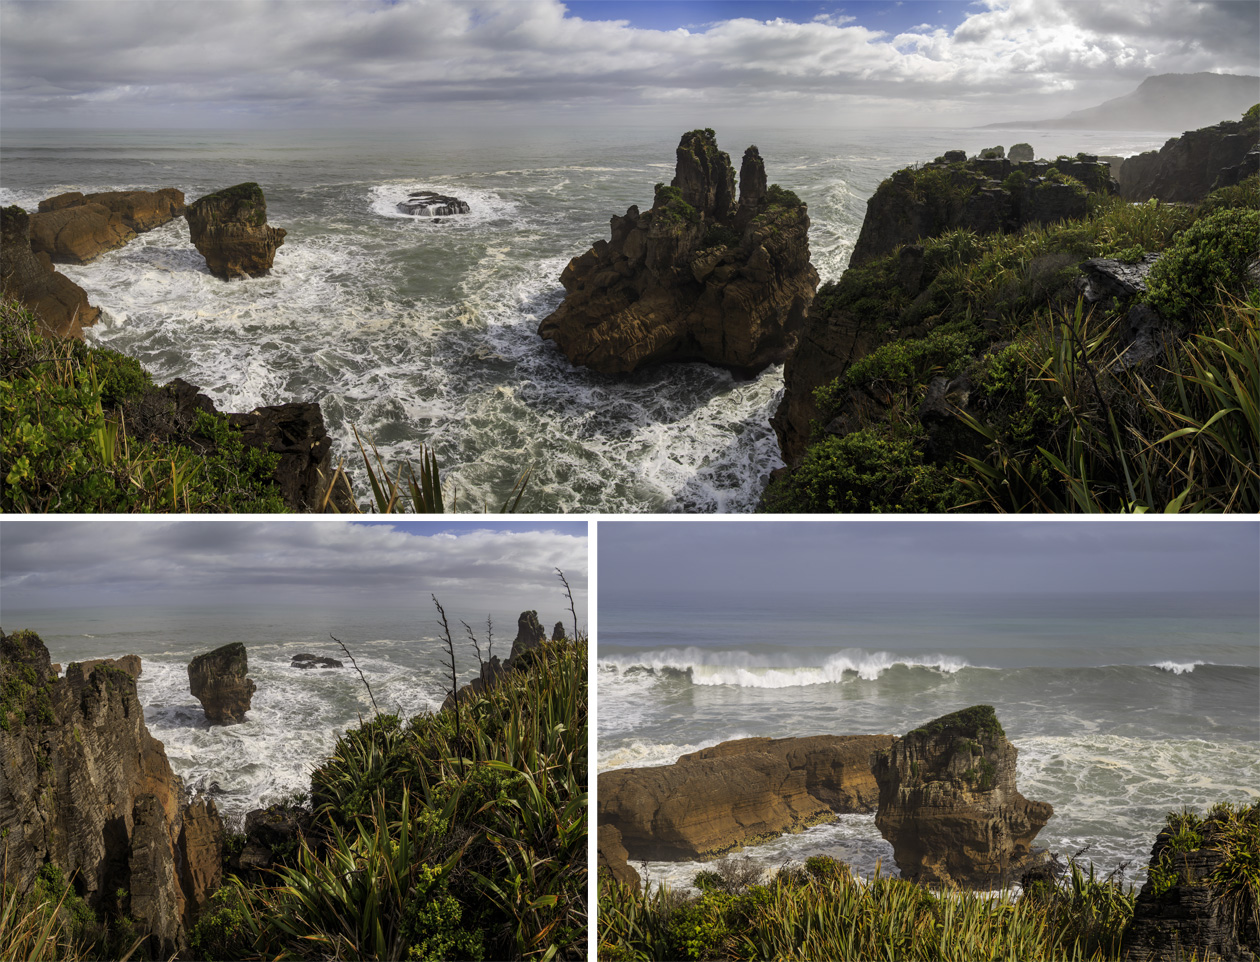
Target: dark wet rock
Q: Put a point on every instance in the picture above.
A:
(218, 680)
(557, 633)
(1108, 280)
(272, 835)
(701, 276)
(949, 806)
(296, 432)
(307, 660)
(229, 228)
(738, 793)
(1188, 167)
(60, 304)
(86, 788)
(529, 634)
(427, 203)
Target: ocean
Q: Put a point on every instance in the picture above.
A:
(423, 332)
(296, 714)
(1123, 708)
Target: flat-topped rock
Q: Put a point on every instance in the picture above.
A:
(229, 228)
(427, 203)
(139, 210)
(217, 679)
(307, 660)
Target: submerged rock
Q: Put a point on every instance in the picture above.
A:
(427, 203)
(85, 787)
(738, 793)
(60, 304)
(307, 660)
(217, 679)
(949, 806)
(699, 277)
(229, 228)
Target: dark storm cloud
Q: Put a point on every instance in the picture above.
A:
(107, 561)
(308, 62)
(914, 556)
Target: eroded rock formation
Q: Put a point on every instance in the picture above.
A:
(428, 203)
(738, 793)
(60, 304)
(217, 679)
(1188, 167)
(307, 660)
(85, 787)
(613, 857)
(529, 635)
(700, 276)
(949, 806)
(75, 228)
(229, 228)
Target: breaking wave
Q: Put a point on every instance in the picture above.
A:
(747, 670)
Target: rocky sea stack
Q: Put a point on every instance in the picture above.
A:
(701, 276)
(949, 806)
(217, 679)
(86, 789)
(230, 229)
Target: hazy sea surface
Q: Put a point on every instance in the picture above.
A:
(1122, 708)
(420, 331)
(296, 714)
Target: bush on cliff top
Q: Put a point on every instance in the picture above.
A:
(64, 444)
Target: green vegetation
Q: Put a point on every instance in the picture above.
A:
(456, 835)
(973, 722)
(782, 197)
(1231, 830)
(1043, 417)
(820, 911)
(668, 207)
(64, 408)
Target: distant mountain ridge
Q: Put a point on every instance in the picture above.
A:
(1170, 101)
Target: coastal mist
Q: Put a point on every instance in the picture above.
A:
(423, 330)
(1122, 708)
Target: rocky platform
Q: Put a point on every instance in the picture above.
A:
(75, 228)
(701, 276)
(949, 806)
(428, 203)
(86, 788)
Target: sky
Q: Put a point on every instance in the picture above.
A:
(473, 566)
(638, 560)
(392, 63)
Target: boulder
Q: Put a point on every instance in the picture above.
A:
(78, 234)
(217, 679)
(272, 834)
(85, 787)
(737, 793)
(427, 203)
(1188, 167)
(60, 304)
(701, 276)
(307, 660)
(229, 228)
(949, 806)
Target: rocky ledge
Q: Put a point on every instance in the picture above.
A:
(229, 228)
(87, 789)
(217, 679)
(307, 660)
(427, 203)
(75, 228)
(737, 793)
(701, 276)
(949, 806)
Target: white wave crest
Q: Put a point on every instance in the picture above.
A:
(484, 206)
(1178, 667)
(745, 670)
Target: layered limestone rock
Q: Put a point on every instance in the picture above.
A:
(1188, 167)
(982, 194)
(230, 230)
(949, 806)
(76, 228)
(738, 793)
(529, 634)
(1181, 913)
(217, 679)
(701, 276)
(428, 203)
(85, 787)
(60, 304)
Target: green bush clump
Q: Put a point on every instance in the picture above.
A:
(671, 208)
(719, 235)
(1210, 257)
(1245, 195)
(782, 197)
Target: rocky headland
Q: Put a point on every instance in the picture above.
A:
(949, 806)
(87, 789)
(703, 275)
(229, 228)
(218, 680)
(1186, 168)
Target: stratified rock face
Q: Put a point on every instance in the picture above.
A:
(948, 803)
(529, 634)
(979, 194)
(131, 664)
(296, 432)
(613, 857)
(1186, 917)
(60, 304)
(1187, 167)
(427, 203)
(217, 679)
(230, 229)
(738, 793)
(85, 787)
(700, 276)
(139, 210)
(78, 234)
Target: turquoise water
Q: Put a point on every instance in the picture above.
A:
(422, 332)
